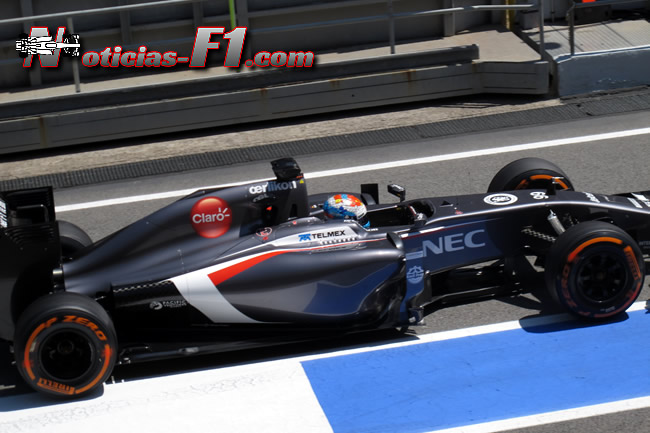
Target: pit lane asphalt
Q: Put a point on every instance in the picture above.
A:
(606, 166)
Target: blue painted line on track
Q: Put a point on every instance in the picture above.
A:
(484, 378)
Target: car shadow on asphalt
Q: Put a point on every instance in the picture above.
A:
(564, 322)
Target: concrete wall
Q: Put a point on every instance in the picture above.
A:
(406, 81)
(590, 72)
(556, 9)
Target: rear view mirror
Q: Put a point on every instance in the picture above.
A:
(397, 191)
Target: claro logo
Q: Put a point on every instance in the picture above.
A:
(455, 242)
(211, 217)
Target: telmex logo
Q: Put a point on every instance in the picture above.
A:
(455, 242)
(272, 186)
(322, 235)
(211, 217)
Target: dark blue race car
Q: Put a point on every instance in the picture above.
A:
(266, 263)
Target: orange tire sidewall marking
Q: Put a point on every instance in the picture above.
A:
(51, 385)
(524, 183)
(26, 355)
(584, 245)
(564, 284)
(549, 177)
(629, 255)
(631, 259)
(107, 360)
(27, 363)
(636, 273)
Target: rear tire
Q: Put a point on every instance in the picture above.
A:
(529, 173)
(595, 270)
(73, 239)
(65, 345)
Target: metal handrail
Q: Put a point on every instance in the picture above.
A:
(375, 18)
(97, 11)
(390, 16)
(571, 12)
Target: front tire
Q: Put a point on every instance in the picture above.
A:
(65, 345)
(595, 270)
(529, 173)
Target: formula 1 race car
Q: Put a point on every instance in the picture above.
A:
(261, 264)
(46, 45)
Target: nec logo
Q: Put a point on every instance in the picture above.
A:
(455, 242)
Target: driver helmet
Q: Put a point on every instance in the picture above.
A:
(346, 206)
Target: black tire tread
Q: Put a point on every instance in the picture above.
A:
(573, 237)
(510, 175)
(73, 238)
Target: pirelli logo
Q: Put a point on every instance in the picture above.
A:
(55, 386)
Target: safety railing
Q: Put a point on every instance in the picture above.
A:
(571, 15)
(238, 15)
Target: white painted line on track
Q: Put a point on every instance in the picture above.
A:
(248, 398)
(552, 417)
(373, 167)
(146, 197)
(483, 152)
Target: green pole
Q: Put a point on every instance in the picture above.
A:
(233, 17)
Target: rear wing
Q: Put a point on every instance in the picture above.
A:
(29, 251)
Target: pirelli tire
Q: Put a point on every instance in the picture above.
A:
(65, 345)
(529, 173)
(595, 270)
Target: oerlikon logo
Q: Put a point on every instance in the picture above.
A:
(211, 217)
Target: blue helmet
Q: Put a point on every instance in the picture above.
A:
(346, 206)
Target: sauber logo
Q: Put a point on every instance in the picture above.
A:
(211, 217)
(500, 199)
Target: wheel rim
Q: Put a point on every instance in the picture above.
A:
(539, 181)
(66, 355)
(601, 278)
